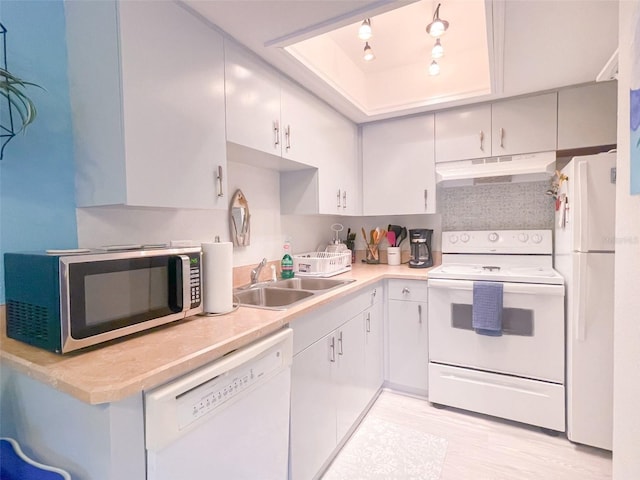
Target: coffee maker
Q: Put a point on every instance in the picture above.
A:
(420, 242)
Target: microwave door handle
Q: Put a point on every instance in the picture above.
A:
(186, 282)
(179, 283)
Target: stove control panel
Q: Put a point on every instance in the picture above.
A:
(499, 242)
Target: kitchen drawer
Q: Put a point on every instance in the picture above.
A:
(410, 290)
(520, 399)
(311, 327)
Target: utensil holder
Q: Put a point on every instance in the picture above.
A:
(372, 254)
(393, 255)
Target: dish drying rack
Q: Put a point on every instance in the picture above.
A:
(322, 264)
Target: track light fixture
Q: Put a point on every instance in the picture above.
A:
(434, 68)
(438, 50)
(437, 27)
(365, 32)
(368, 53)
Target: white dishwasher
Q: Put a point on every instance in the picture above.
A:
(226, 420)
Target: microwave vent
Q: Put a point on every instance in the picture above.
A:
(25, 320)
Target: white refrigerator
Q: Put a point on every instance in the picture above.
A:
(584, 255)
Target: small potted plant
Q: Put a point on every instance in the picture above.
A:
(13, 89)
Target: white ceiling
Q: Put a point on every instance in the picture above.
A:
(528, 46)
(398, 78)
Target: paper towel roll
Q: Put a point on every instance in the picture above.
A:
(217, 263)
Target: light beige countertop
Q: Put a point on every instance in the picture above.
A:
(127, 366)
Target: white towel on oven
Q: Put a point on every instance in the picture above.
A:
(486, 317)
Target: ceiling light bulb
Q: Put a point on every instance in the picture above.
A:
(438, 50)
(437, 27)
(434, 68)
(365, 32)
(368, 53)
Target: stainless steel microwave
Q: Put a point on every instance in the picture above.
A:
(64, 302)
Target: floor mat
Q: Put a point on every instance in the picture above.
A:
(383, 450)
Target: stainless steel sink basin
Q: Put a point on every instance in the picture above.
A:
(306, 283)
(273, 298)
(282, 294)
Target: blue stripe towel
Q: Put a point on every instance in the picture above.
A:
(487, 308)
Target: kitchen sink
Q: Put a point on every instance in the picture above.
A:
(273, 298)
(305, 283)
(282, 294)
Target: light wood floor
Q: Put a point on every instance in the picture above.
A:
(485, 448)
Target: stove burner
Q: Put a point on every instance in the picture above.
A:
(491, 268)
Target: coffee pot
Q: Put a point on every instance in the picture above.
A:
(420, 242)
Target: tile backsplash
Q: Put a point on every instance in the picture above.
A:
(496, 207)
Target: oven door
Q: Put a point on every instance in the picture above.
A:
(532, 343)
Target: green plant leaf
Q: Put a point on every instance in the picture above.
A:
(13, 89)
(25, 109)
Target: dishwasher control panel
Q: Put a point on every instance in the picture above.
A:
(203, 399)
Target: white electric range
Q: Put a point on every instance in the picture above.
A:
(519, 374)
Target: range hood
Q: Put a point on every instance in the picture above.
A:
(530, 167)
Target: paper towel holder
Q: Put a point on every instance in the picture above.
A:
(239, 219)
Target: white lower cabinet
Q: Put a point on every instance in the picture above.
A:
(313, 416)
(407, 336)
(333, 379)
(348, 371)
(374, 347)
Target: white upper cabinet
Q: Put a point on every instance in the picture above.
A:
(509, 127)
(463, 133)
(253, 101)
(317, 135)
(148, 105)
(271, 114)
(524, 125)
(588, 115)
(338, 173)
(306, 125)
(317, 147)
(398, 174)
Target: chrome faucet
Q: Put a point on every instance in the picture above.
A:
(255, 273)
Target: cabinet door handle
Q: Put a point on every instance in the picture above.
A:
(501, 137)
(219, 178)
(340, 343)
(406, 291)
(287, 135)
(426, 198)
(344, 199)
(339, 198)
(420, 314)
(481, 140)
(373, 296)
(332, 349)
(276, 133)
(368, 323)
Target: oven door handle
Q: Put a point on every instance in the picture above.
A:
(523, 288)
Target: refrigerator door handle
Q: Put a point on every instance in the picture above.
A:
(581, 207)
(581, 299)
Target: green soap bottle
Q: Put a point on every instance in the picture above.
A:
(287, 262)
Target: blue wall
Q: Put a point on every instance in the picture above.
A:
(37, 191)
